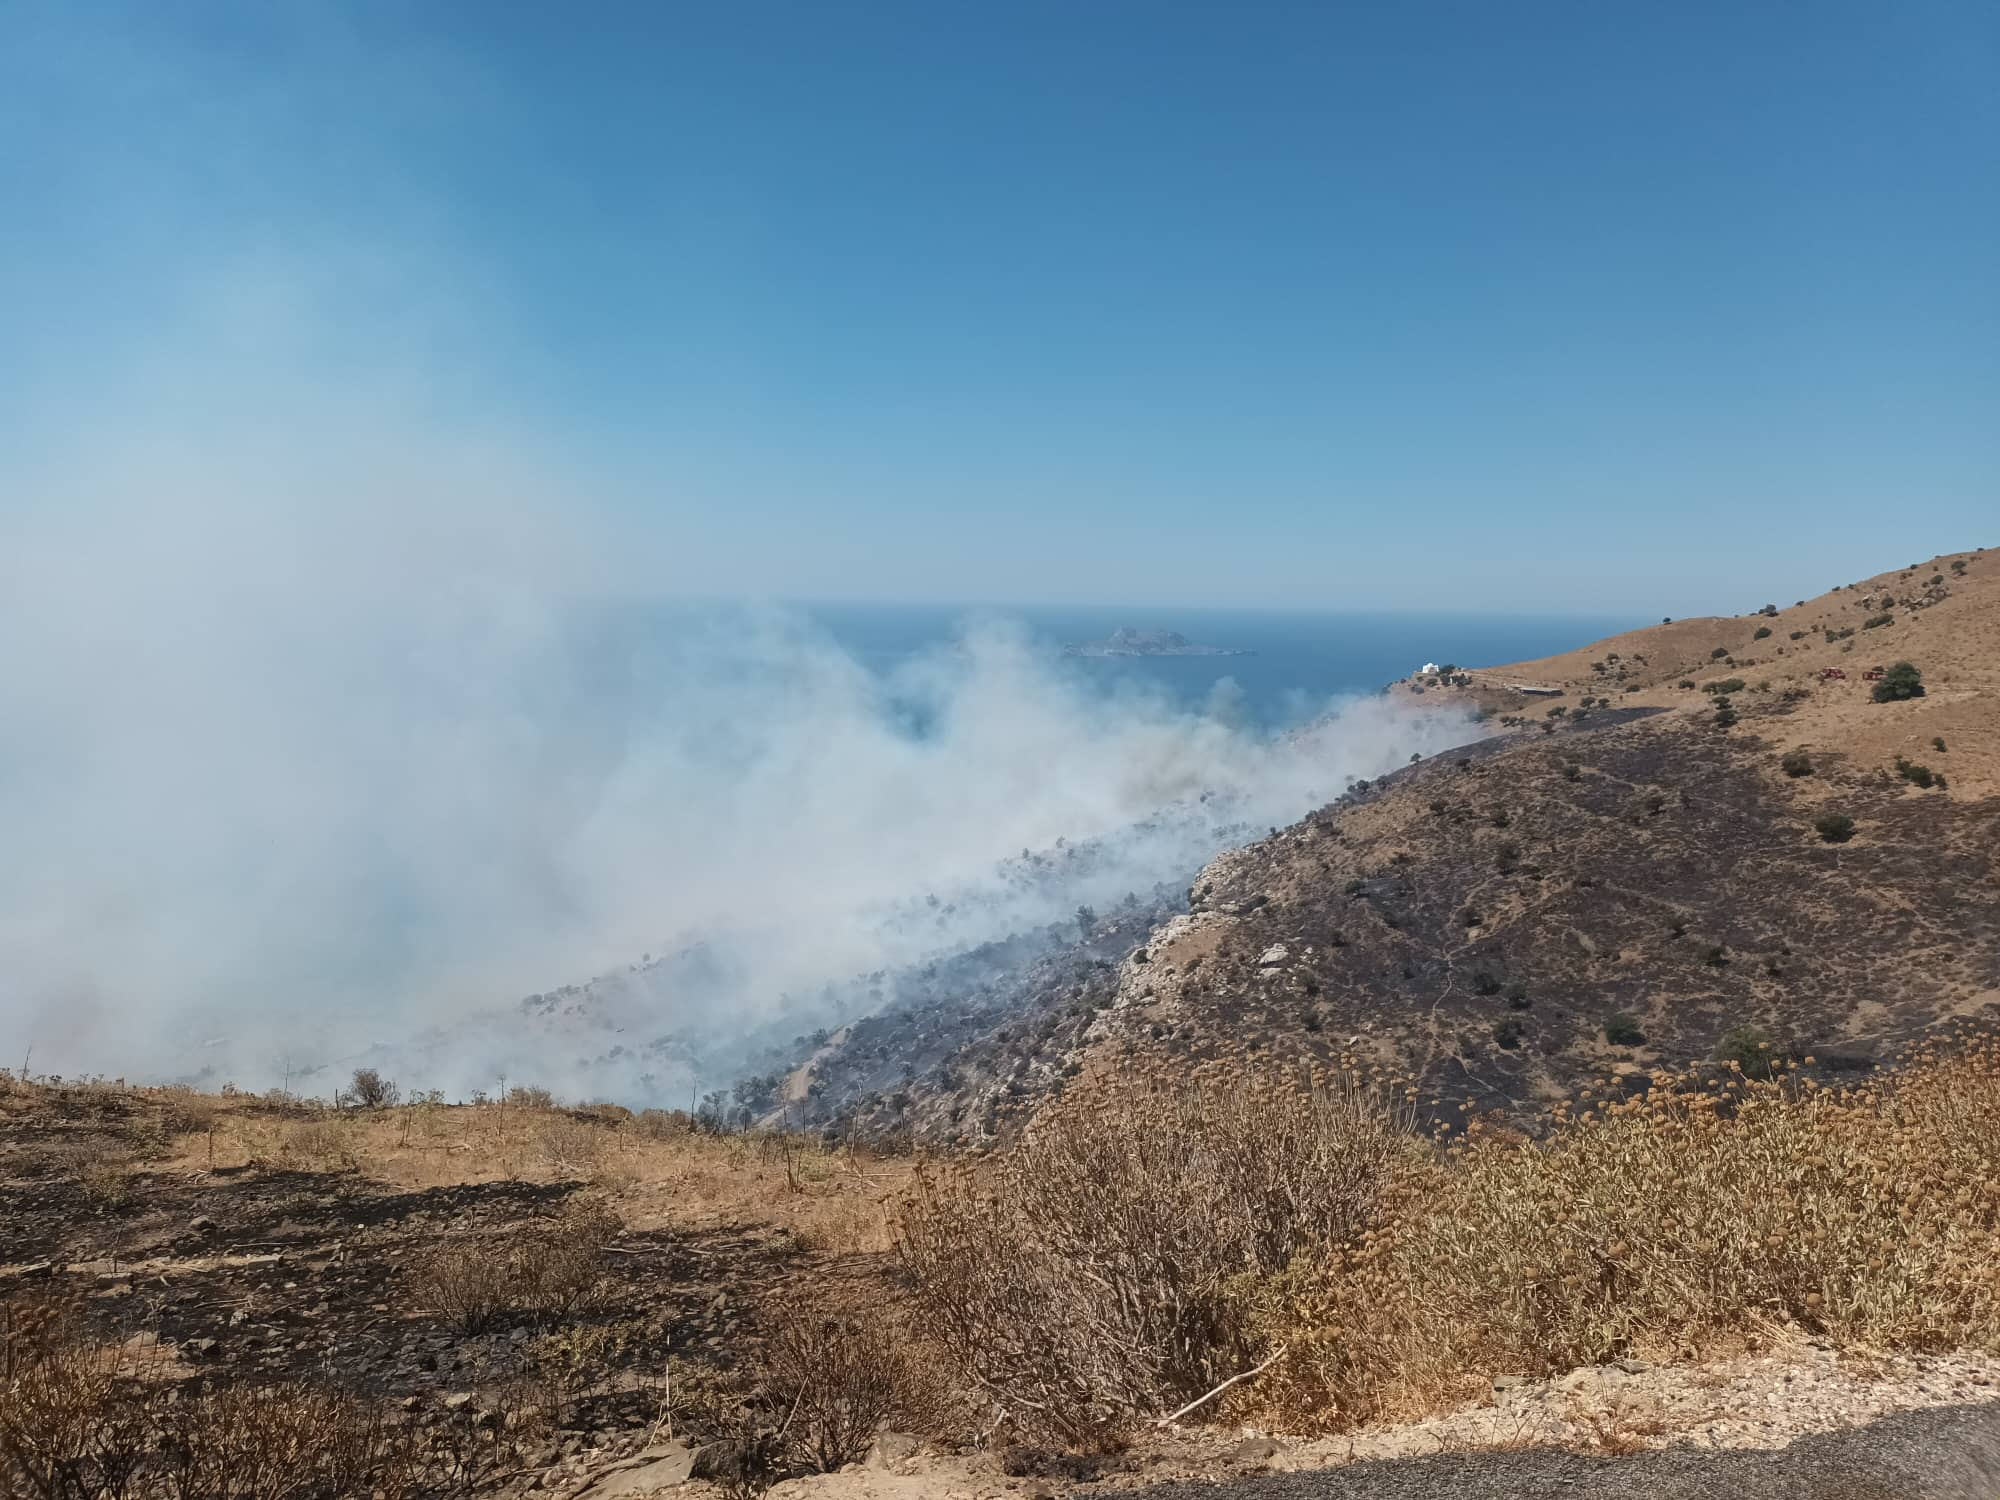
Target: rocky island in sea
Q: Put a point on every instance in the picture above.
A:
(1127, 641)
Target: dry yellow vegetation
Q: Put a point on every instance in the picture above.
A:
(1124, 1258)
(662, 1172)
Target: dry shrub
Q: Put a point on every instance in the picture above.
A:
(539, 1271)
(185, 1112)
(1688, 1221)
(308, 1140)
(291, 1442)
(827, 1383)
(1087, 1281)
(322, 1144)
(73, 1428)
(838, 1378)
(722, 1415)
(65, 1433)
(575, 1358)
(571, 1145)
(662, 1124)
(99, 1168)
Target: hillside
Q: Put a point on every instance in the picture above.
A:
(1943, 614)
(1619, 856)
(1478, 919)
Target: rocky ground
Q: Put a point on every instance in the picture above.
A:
(1941, 1453)
(1797, 1422)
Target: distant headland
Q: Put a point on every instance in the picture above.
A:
(1127, 641)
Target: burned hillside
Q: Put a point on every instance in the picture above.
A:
(972, 1044)
(1653, 893)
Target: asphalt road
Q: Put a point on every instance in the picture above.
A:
(1947, 1453)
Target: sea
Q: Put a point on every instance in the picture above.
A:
(1298, 662)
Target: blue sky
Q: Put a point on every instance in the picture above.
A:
(1662, 309)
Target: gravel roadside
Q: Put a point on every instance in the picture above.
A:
(1944, 1453)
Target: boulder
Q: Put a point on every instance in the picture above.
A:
(660, 1467)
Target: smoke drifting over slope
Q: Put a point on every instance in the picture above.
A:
(323, 723)
(282, 782)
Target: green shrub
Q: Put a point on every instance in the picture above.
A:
(1508, 1031)
(1874, 622)
(1834, 828)
(1901, 681)
(1937, 743)
(1718, 653)
(1747, 1048)
(1621, 1029)
(1723, 685)
(1919, 775)
(1760, 632)
(1797, 763)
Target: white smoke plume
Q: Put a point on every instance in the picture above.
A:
(339, 703)
(334, 713)
(285, 780)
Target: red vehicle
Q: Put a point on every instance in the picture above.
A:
(1873, 674)
(1833, 674)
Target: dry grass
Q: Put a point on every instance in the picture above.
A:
(834, 1199)
(1089, 1281)
(570, 1146)
(1690, 1222)
(316, 1142)
(542, 1270)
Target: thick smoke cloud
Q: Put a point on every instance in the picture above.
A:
(332, 719)
(288, 775)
